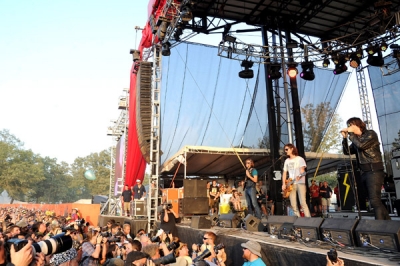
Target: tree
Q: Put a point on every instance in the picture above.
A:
(320, 128)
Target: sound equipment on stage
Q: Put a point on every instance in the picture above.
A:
(340, 230)
(230, 220)
(200, 222)
(252, 223)
(308, 228)
(214, 219)
(138, 208)
(383, 234)
(275, 223)
(346, 178)
(193, 206)
(195, 188)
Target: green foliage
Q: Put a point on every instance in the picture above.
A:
(29, 177)
(321, 127)
(331, 178)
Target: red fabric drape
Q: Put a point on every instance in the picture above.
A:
(135, 161)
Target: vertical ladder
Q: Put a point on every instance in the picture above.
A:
(362, 90)
(154, 139)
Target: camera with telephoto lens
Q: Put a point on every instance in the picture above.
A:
(168, 206)
(170, 258)
(105, 234)
(206, 253)
(114, 239)
(173, 245)
(56, 244)
(155, 239)
(332, 255)
(218, 247)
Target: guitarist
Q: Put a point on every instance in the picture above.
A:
(295, 165)
(250, 188)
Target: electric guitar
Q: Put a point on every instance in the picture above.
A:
(289, 186)
(245, 179)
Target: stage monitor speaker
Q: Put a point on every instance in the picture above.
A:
(308, 228)
(252, 223)
(383, 234)
(200, 222)
(340, 230)
(275, 222)
(193, 205)
(230, 220)
(194, 188)
(214, 219)
(346, 185)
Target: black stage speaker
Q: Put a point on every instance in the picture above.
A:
(200, 222)
(194, 188)
(346, 185)
(193, 205)
(230, 220)
(214, 219)
(252, 223)
(339, 230)
(383, 234)
(308, 228)
(275, 222)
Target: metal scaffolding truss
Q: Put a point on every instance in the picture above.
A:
(364, 100)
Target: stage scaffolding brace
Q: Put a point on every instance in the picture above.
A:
(154, 139)
(362, 90)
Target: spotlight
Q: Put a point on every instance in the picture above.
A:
(247, 73)
(178, 33)
(166, 51)
(274, 71)
(186, 13)
(360, 52)
(135, 54)
(354, 60)
(339, 69)
(375, 60)
(162, 30)
(326, 62)
(396, 49)
(292, 71)
(371, 49)
(384, 46)
(335, 58)
(308, 72)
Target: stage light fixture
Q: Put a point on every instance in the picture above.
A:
(370, 49)
(292, 71)
(335, 58)
(375, 60)
(396, 50)
(354, 60)
(360, 52)
(384, 46)
(308, 71)
(135, 54)
(339, 69)
(247, 73)
(274, 71)
(162, 28)
(186, 13)
(166, 49)
(325, 63)
(178, 33)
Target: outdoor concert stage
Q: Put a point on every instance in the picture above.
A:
(275, 251)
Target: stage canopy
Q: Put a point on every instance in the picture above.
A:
(216, 161)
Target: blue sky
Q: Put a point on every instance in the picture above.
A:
(63, 66)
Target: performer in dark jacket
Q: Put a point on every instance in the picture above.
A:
(365, 144)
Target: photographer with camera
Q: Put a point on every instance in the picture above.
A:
(168, 217)
(182, 256)
(91, 249)
(218, 255)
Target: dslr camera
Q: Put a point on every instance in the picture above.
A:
(168, 206)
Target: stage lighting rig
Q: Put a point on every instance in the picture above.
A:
(186, 13)
(354, 60)
(308, 71)
(135, 54)
(162, 24)
(375, 60)
(274, 71)
(247, 73)
(340, 67)
(325, 63)
(396, 50)
(292, 70)
(384, 46)
(166, 49)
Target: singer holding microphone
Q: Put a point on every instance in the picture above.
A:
(250, 190)
(365, 145)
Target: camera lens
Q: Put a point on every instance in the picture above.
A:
(57, 244)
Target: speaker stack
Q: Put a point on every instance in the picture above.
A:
(229, 220)
(200, 222)
(253, 223)
(280, 224)
(195, 200)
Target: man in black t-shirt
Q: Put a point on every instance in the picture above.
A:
(326, 193)
(126, 198)
(214, 195)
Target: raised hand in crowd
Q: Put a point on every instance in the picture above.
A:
(339, 262)
(23, 257)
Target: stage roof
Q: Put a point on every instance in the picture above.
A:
(214, 161)
(350, 21)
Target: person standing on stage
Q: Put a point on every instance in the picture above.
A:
(139, 192)
(126, 198)
(314, 193)
(326, 193)
(365, 145)
(295, 165)
(250, 190)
